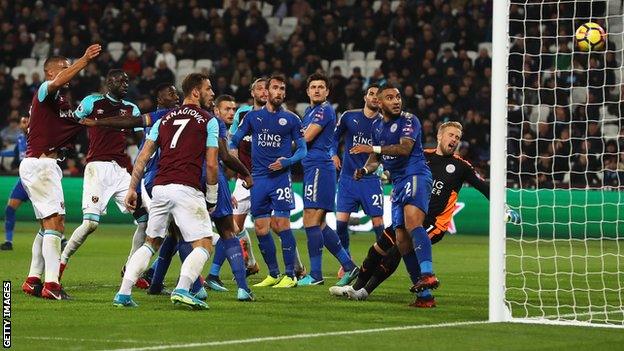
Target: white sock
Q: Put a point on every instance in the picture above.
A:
(78, 238)
(37, 263)
(192, 267)
(138, 238)
(244, 235)
(51, 251)
(137, 264)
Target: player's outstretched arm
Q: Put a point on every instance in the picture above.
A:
(298, 155)
(67, 74)
(137, 172)
(234, 163)
(371, 166)
(119, 122)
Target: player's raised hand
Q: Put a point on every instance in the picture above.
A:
(361, 149)
(512, 216)
(248, 182)
(88, 122)
(277, 165)
(359, 173)
(92, 52)
(337, 162)
(131, 200)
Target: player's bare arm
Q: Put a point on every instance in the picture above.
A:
(67, 74)
(404, 148)
(118, 122)
(312, 132)
(371, 166)
(137, 173)
(234, 163)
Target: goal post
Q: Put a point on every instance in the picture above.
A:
(557, 157)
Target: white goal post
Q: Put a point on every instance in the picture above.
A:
(557, 156)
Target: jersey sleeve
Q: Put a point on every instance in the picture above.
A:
(85, 108)
(341, 128)
(473, 178)
(296, 132)
(242, 130)
(212, 138)
(410, 128)
(42, 92)
(237, 116)
(223, 132)
(323, 116)
(153, 135)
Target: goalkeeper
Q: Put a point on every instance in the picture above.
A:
(449, 172)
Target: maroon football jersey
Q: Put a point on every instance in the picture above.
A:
(244, 147)
(52, 125)
(182, 137)
(106, 144)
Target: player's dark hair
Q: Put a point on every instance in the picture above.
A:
(115, 72)
(225, 97)
(387, 86)
(370, 86)
(162, 86)
(193, 81)
(53, 59)
(278, 77)
(258, 81)
(317, 76)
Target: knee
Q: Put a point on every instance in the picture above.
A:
(154, 243)
(90, 225)
(377, 221)
(279, 224)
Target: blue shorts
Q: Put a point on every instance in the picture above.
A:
(224, 199)
(19, 192)
(272, 196)
(410, 190)
(366, 193)
(319, 187)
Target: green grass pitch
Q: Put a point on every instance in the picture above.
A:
(305, 317)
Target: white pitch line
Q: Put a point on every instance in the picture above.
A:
(89, 340)
(301, 336)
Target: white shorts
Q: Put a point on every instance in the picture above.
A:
(243, 197)
(41, 178)
(186, 205)
(146, 200)
(104, 180)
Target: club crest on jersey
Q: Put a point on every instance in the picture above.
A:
(394, 128)
(450, 168)
(99, 111)
(282, 121)
(95, 199)
(123, 112)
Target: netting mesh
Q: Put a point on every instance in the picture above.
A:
(565, 163)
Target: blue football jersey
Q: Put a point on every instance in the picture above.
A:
(272, 135)
(319, 149)
(390, 133)
(20, 147)
(356, 129)
(152, 165)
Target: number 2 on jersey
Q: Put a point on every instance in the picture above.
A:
(182, 123)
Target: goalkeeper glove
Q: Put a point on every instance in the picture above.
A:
(512, 216)
(212, 192)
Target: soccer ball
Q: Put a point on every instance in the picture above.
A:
(590, 37)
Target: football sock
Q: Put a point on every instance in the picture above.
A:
(218, 259)
(192, 267)
(37, 263)
(315, 250)
(9, 223)
(386, 268)
(332, 243)
(422, 244)
(342, 229)
(378, 231)
(370, 264)
(234, 255)
(184, 250)
(77, 238)
(267, 248)
(138, 238)
(51, 251)
(411, 263)
(135, 267)
(244, 235)
(161, 263)
(289, 245)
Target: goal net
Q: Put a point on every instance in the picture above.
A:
(564, 164)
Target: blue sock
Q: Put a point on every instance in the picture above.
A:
(332, 243)
(219, 258)
(161, 264)
(378, 231)
(289, 247)
(411, 263)
(185, 249)
(422, 244)
(267, 248)
(234, 255)
(9, 223)
(315, 250)
(342, 229)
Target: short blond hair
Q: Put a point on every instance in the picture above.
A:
(453, 124)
